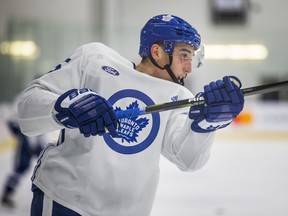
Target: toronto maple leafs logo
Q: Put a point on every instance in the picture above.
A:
(129, 128)
(135, 134)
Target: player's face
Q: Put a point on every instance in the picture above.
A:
(181, 63)
(182, 60)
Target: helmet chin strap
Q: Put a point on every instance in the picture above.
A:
(167, 67)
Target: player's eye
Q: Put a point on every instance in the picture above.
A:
(185, 57)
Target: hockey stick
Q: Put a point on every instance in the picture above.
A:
(261, 89)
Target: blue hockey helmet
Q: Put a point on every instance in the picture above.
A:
(168, 29)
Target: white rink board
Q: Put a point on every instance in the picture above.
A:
(265, 117)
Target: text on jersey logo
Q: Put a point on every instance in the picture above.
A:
(129, 128)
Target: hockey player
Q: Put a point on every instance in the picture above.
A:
(27, 149)
(108, 165)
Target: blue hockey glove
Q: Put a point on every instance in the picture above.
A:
(86, 110)
(223, 102)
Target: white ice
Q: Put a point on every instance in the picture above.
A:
(244, 177)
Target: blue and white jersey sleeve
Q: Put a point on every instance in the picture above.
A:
(188, 150)
(37, 101)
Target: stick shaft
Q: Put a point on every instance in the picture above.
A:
(261, 89)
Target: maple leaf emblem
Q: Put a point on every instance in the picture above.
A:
(129, 128)
(167, 17)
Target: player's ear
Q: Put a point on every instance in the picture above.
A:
(156, 51)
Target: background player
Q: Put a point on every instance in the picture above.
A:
(27, 148)
(106, 165)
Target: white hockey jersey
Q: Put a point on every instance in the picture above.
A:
(101, 175)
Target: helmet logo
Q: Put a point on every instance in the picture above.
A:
(167, 17)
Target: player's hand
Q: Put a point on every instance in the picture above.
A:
(223, 102)
(86, 110)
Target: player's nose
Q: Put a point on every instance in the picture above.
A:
(188, 67)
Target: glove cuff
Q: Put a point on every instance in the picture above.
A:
(207, 127)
